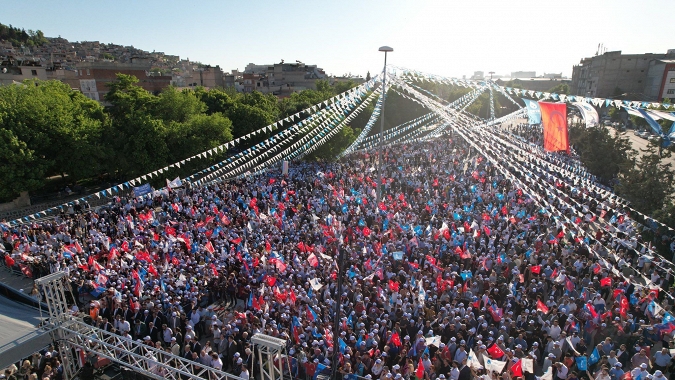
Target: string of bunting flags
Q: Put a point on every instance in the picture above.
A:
(563, 175)
(128, 185)
(290, 152)
(552, 191)
(316, 137)
(430, 117)
(330, 110)
(472, 139)
(366, 130)
(598, 102)
(319, 140)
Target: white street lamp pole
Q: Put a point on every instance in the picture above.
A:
(385, 49)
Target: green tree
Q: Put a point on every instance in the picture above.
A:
(199, 133)
(614, 113)
(246, 119)
(180, 106)
(20, 169)
(649, 183)
(61, 126)
(135, 137)
(215, 100)
(602, 152)
(562, 88)
(264, 102)
(334, 146)
(368, 76)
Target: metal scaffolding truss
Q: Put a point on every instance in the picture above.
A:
(74, 335)
(271, 356)
(147, 360)
(53, 288)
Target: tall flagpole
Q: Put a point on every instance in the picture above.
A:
(385, 49)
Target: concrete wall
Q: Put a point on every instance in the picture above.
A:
(22, 201)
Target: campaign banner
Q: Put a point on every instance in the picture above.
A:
(175, 183)
(554, 121)
(142, 190)
(589, 114)
(533, 111)
(656, 127)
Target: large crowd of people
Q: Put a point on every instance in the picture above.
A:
(457, 273)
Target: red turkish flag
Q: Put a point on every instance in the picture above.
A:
(536, 269)
(554, 121)
(419, 372)
(209, 247)
(606, 282)
(542, 307)
(396, 339)
(495, 352)
(393, 285)
(270, 280)
(313, 261)
(517, 369)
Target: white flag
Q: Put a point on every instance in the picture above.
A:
(548, 375)
(316, 285)
(472, 360)
(495, 365)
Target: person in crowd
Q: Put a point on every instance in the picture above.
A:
(460, 262)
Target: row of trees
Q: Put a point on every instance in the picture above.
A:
(18, 37)
(47, 129)
(646, 180)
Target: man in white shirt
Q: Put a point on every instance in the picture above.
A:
(124, 326)
(554, 331)
(216, 362)
(167, 334)
(562, 371)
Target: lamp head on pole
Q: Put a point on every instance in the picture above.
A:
(386, 49)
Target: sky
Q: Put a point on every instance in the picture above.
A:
(449, 38)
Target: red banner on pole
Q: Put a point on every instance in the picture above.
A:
(554, 121)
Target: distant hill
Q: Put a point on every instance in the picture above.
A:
(18, 37)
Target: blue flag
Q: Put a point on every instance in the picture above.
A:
(667, 317)
(343, 345)
(582, 363)
(319, 368)
(595, 357)
(633, 300)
